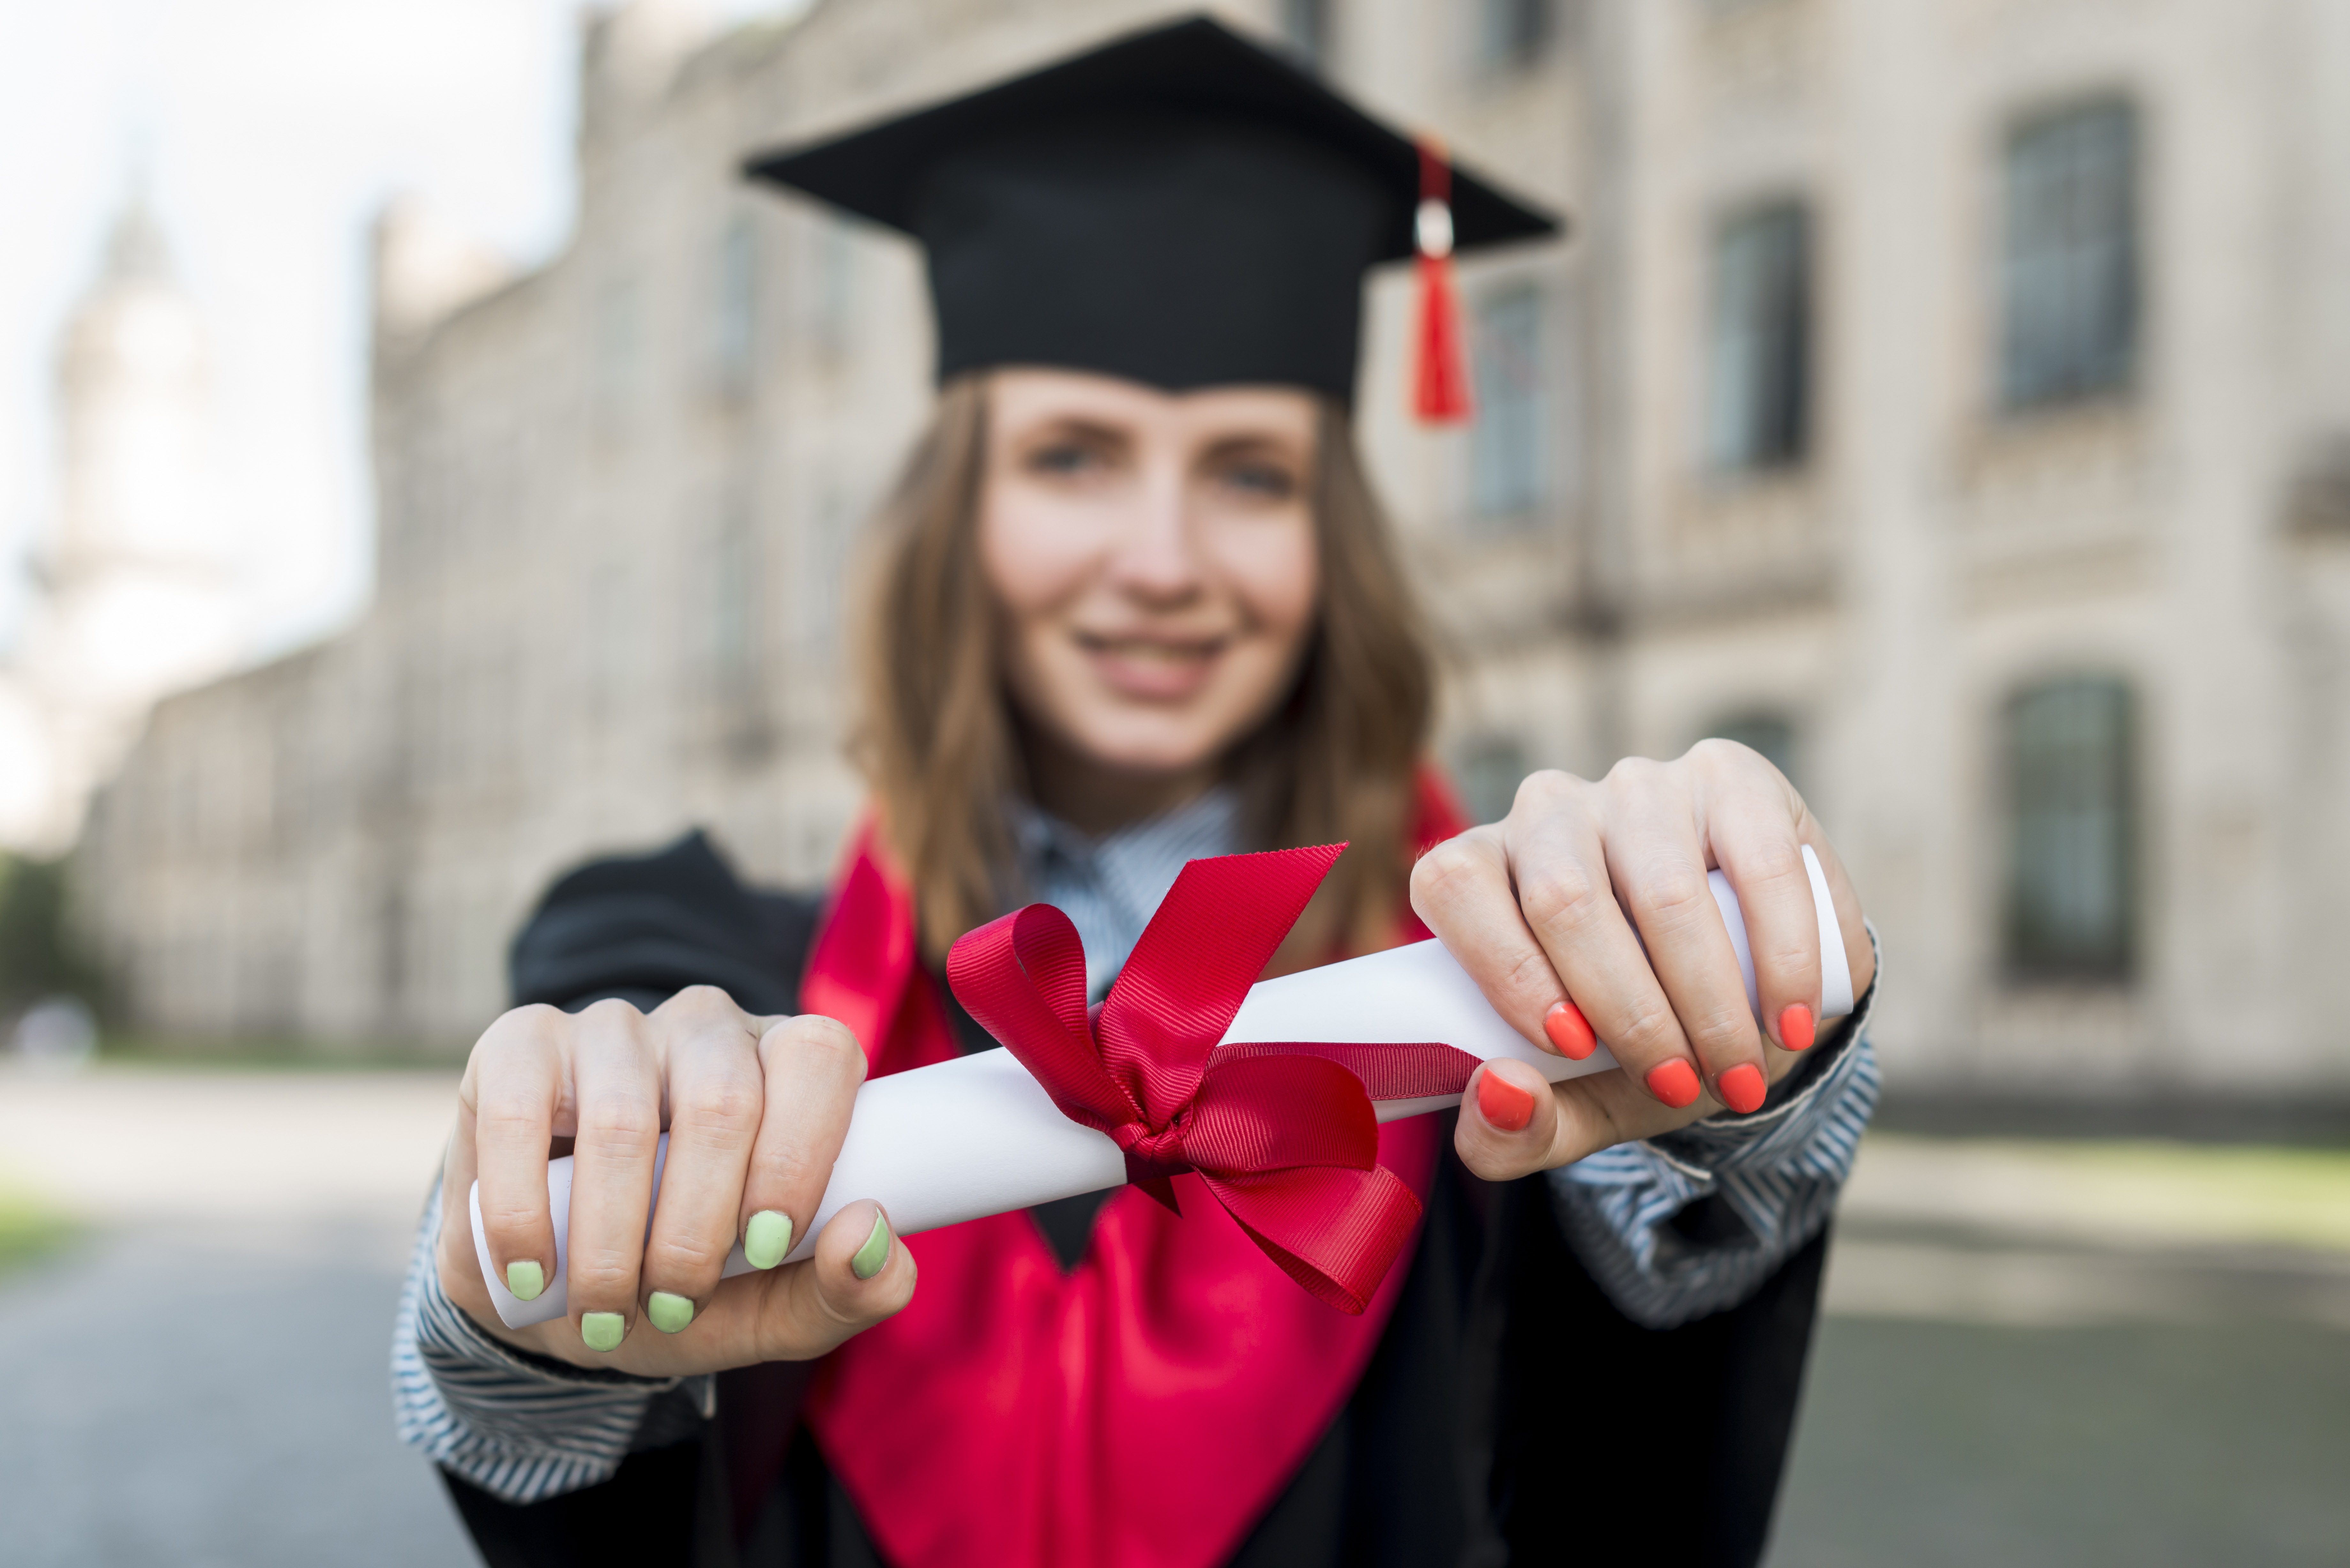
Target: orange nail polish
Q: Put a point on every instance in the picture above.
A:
(1742, 1088)
(1503, 1104)
(1569, 1031)
(1795, 1030)
(1675, 1083)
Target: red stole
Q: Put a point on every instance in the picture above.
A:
(1141, 1410)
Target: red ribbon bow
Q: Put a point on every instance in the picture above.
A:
(1283, 1134)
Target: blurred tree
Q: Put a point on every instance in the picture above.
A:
(38, 956)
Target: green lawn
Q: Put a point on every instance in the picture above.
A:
(28, 1228)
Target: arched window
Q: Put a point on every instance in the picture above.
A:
(2072, 876)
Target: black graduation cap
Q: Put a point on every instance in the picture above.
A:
(1178, 207)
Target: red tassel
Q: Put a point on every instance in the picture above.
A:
(1441, 388)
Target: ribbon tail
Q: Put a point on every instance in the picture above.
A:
(1337, 1231)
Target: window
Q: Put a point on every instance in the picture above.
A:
(1512, 31)
(1306, 27)
(2068, 268)
(1491, 768)
(2071, 877)
(1769, 733)
(1509, 437)
(1759, 371)
(734, 335)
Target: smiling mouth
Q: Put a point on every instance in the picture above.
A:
(1151, 666)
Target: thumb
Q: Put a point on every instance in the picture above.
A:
(860, 1274)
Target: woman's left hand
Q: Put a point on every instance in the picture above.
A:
(1542, 909)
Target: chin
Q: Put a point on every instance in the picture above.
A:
(1150, 748)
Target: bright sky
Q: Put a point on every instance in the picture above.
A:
(272, 130)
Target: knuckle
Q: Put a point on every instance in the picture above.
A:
(619, 1117)
(604, 1274)
(1559, 894)
(1544, 790)
(1648, 1031)
(788, 1166)
(721, 1103)
(1444, 874)
(1635, 772)
(686, 1258)
(1671, 897)
(510, 1219)
(703, 1004)
(823, 1039)
(610, 1012)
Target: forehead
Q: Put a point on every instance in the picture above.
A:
(1023, 399)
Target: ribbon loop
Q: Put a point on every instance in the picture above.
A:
(1283, 1136)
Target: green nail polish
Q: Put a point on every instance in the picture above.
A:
(602, 1330)
(875, 1253)
(767, 1238)
(526, 1280)
(670, 1313)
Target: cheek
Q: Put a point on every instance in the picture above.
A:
(1276, 575)
(1031, 564)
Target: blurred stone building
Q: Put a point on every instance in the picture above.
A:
(133, 586)
(1948, 400)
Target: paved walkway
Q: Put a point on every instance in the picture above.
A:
(2033, 1355)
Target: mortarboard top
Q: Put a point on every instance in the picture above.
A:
(1178, 207)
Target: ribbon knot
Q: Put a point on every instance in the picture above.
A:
(1283, 1134)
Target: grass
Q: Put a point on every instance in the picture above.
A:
(2297, 1197)
(28, 1228)
(2149, 1190)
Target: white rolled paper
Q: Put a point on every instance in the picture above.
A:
(977, 1135)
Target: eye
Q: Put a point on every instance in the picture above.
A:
(1260, 479)
(1063, 459)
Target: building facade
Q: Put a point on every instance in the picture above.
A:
(1950, 400)
(134, 585)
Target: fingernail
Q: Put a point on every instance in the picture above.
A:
(1795, 1030)
(526, 1280)
(602, 1330)
(669, 1313)
(767, 1238)
(1675, 1083)
(1503, 1104)
(1569, 1031)
(875, 1253)
(1742, 1088)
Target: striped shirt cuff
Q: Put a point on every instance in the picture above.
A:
(520, 1427)
(1778, 1171)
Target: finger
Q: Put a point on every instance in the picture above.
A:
(1563, 870)
(860, 1273)
(1657, 862)
(1509, 1121)
(618, 1093)
(813, 1067)
(507, 1109)
(1751, 818)
(709, 1059)
(1461, 890)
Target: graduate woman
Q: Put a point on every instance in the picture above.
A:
(1134, 604)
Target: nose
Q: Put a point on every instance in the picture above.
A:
(1156, 560)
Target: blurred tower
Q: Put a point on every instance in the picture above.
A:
(135, 583)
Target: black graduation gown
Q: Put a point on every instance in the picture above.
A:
(1511, 1414)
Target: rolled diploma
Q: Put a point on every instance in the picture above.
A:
(977, 1135)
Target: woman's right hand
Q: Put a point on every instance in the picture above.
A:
(756, 1109)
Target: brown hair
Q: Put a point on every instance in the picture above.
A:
(937, 741)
